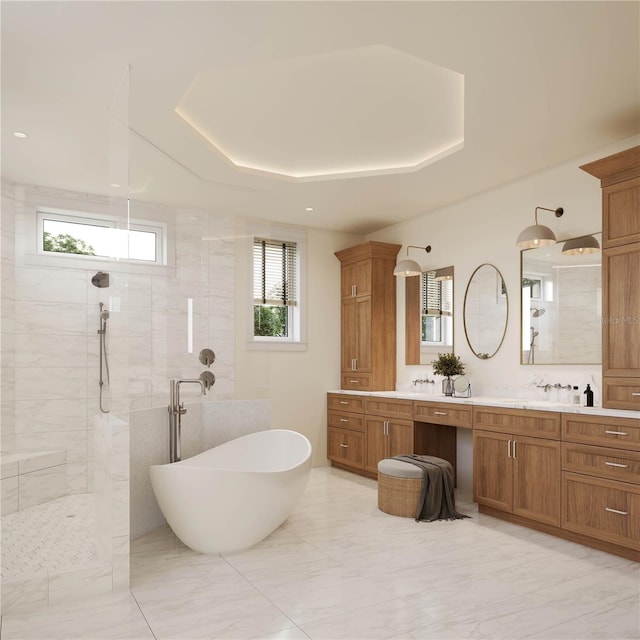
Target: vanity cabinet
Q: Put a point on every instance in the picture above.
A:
(345, 431)
(601, 478)
(368, 316)
(619, 176)
(389, 430)
(517, 474)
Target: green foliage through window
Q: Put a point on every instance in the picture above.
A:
(65, 243)
(270, 321)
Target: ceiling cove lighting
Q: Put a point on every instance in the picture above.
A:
(581, 246)
(407, 268)
(538, 235)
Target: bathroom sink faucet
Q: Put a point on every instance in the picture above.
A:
(176, 411)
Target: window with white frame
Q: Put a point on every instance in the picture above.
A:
(277, 309)
(102, 237)
(436, 305)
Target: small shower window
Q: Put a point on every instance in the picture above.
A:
(97, 237)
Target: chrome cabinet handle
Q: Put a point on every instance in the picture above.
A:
(439, 413)
(344, 419)
(345, 446)
(615, 464)
(622, 513)
(514, 449)
(635, 393)
(354, 381)
(343, 402)
(353, 290)
(508, 448)
(617, 433)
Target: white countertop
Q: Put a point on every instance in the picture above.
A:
(509, 403)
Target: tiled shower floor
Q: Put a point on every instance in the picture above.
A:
(49, 537)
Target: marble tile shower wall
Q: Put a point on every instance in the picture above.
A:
(50, 318)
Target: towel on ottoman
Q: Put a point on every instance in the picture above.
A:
(437, 498)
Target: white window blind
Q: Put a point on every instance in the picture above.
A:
(274, 272)
(436, 296)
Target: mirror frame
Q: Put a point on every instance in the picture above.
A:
(464, 312)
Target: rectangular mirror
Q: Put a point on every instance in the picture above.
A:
(561, 303)
(428, 315)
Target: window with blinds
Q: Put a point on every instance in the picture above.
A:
(436, 295)
(274, 286)
(436, 304)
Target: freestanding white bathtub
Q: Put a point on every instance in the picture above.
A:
(233, 496)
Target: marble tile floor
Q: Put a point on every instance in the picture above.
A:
(341, 569)
(57, 534)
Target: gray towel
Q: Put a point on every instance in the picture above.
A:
(437, 497)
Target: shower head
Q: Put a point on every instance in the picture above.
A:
(537, 312)
(100, 280)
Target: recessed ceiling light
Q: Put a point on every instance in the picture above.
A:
(308, 208)
(115, 185)
(20, 134)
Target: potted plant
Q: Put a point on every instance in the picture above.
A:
(447, 365)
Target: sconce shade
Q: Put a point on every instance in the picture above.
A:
(446, 273)
(537, 235)
(581, 246)
(407, 268)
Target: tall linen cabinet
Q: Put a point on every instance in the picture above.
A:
(368, 317)
(619, 176)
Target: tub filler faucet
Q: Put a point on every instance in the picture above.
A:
(176, 411)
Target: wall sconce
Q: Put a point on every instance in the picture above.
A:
(538, 235)
(446, 273)
(581, 246)
(407, 268)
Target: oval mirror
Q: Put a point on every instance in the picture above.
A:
(461, 387)
(486, 311)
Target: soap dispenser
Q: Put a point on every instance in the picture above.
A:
(589, 395)
(575, 396)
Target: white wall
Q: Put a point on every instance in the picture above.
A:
(296, 382)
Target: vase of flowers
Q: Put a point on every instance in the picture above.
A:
(448, 365)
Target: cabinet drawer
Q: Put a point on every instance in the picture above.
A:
(622, 433)
(524, 422)
(351, 421)
(388, 408)
(346, 447)
(602, 509)
(356, 381)
(343, 402)
(621, 393)
(442, 413)
(599, 461)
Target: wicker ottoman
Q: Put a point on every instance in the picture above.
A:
(399, 485)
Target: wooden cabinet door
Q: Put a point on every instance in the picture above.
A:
(620, 219)
(400, 436)
(492, 470)
(621, 312)
(375, 443)
(363, 340)
(356, 279)
(349, 338)
(537, 479)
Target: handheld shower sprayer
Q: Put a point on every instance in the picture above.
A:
(102, 332)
